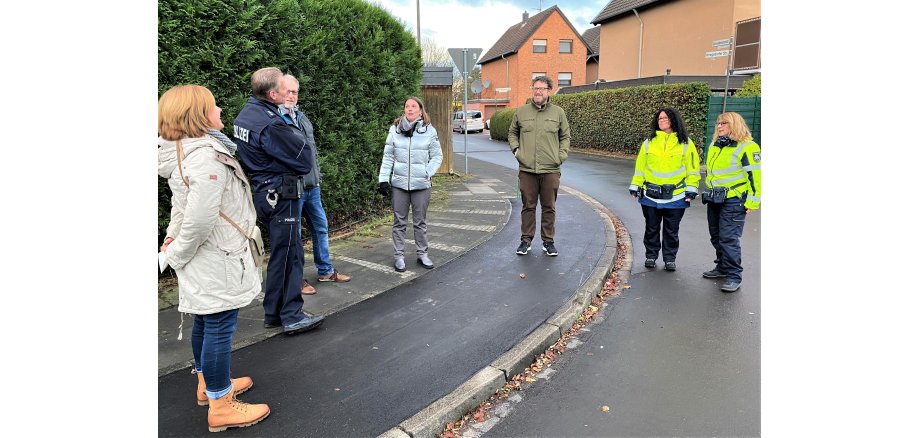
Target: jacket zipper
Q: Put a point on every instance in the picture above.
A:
(242, 274)
(409, 173)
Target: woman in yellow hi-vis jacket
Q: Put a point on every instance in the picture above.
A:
(665, 181)
(733, 181)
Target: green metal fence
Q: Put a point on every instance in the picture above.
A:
(748, 107)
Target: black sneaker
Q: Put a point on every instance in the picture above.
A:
(730, 286)
(670, 266)
(650, 263)
(715, 273)
(550, 249)
(524, 248)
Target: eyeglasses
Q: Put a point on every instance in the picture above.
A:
(539, 88)
(721, 123)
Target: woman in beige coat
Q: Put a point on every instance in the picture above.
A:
(217, 275)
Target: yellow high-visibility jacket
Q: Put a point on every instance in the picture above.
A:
(736, 167)
(662, 160)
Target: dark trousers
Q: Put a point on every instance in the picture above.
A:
(545, 187)
(283, 303)
(726, 223)
(212, 341)
(662, 238)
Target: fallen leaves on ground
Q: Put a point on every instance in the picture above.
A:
(523, 275)
(605, 408)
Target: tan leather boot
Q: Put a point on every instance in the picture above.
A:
(240, 386)
(227, 412)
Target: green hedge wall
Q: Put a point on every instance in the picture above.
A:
(500, 122)
(618, 120)
(356, 65)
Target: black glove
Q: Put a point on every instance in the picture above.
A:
(691, 195)
(384, 189)
(634, 193)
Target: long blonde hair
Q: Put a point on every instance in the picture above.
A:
(738, 129)
(183, 112)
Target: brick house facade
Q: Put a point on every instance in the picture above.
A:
(546, 43)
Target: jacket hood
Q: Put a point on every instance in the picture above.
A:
(168, 160)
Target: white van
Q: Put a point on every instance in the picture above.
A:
(474, 122)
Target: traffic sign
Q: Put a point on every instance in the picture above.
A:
(457, 54)
(717, 54)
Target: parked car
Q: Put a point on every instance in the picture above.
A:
(472, 123)
(487, 123)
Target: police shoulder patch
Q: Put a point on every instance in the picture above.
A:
(756, 157)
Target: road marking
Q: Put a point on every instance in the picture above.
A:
(483, 228)
(376, 266)
(441, 246)
(474, 211)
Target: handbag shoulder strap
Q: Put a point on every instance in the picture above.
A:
(180, 154)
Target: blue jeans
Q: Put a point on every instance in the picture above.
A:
(311, 206)
(212, 341)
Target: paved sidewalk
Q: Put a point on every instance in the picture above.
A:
(476, 209)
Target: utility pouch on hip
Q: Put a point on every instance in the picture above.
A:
(291, 187)
(663, 191)
(716, 195)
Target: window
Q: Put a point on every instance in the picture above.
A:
(539, 46)
(564, 79)
(537, 73)
(565, 46)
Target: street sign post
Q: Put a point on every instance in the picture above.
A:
(464, 58)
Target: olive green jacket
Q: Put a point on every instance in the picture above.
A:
(539, 138)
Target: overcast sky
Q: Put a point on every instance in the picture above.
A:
(480, 23)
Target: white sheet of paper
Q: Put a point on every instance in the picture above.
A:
(162, 261)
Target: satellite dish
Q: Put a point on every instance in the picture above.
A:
(486, 83)
(477, 86)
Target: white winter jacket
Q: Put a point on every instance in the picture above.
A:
(211, 257)
(411, 160)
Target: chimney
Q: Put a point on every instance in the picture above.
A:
(526, 16)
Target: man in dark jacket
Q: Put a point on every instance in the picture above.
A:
(274, 152)
(539, 138)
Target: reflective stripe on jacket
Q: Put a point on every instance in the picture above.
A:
(736, 167)
(662, 160)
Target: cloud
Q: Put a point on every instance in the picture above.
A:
(479, 24)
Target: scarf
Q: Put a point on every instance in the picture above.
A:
(231, 146)
(723, 141)
(407, 128)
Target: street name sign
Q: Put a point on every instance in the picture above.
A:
(723, 43)
(717, 54)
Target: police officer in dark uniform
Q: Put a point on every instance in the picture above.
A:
(274, 152)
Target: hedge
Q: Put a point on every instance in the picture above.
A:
(356, 65)
(500, 122)
(618, 120)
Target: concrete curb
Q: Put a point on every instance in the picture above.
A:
(429, 422)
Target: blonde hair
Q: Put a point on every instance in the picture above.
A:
(183, 112)
(738, 129)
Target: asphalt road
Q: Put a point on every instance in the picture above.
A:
(373, 365)
(671, 356)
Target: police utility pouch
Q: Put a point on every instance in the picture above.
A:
(291, 187)
(716, 195)
(663, 191)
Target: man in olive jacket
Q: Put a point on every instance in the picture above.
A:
(539, 138)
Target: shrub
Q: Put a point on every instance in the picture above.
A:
(618, 120)
(750, 87)
(356, 65)
(500, 122)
